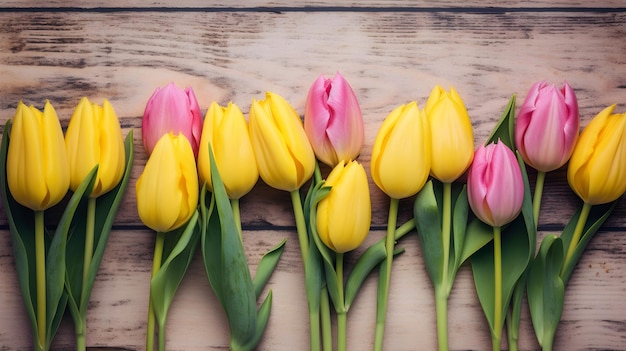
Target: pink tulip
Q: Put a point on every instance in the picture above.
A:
(333, 121)
(171, 110)
(547, 126)
(495, 188)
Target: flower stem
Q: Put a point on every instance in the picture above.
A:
(300, 224)
(314, 327)
(441, 306)
(327, 334)
(341, 310)
(541, 176)
(385, 275)
(156, 265)
(497, 299)
(303, 238)
(445, 232)
(40, 262)
(80, 327)
(578, 231)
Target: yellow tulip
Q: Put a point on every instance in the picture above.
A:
(167, 190)
(37, 168)
(226, 130)
(282, 150)
(452, 137)
(597, 169)
(401, 155)
(344, 216)
(94, 137)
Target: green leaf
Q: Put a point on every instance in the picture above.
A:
(107, 207)
(21, 224)
(266, 267)
(166, 281)
(504, 128)
(477, 235)
(546, 290)
(459, 232)
(236, 291)
(427, 216)
(371, 258)
(263, 315)
(597, 216)
(55, 256)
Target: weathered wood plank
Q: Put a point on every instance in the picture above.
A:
(389, 59)
(477, 4)
(593, 317)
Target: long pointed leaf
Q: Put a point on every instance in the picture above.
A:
(504, 128)
(428, 223)
(266, 267)
(546, 290)
(164, 284)
(238, 295)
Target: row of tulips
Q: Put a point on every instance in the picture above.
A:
(198, 170)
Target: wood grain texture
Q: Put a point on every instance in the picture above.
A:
(390, 58)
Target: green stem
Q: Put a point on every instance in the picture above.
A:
(405, 229)
(445, 233)
(314, 313)
(40, 262)
(300, 224)
(441, 306)
(156, 265)
(442, 290)
(161, 340)
(314, 328)
(385, 275)
(341, 310)
(80, 328)
(578, 231)
(541, 176)
(497, 299)
(234, 203)
(327, 334)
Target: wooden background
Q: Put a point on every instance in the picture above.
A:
(391, 53)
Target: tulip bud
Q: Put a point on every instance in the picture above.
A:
(495, 188)
(171, 110)
(547, 126)
(167, 190)
(37, 168)
(452, 137)
(225, 129)
(597, 169)
(344, 216)
(401, 156)
(333, 120)
(94, 137)
(283, 153)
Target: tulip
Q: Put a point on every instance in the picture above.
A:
(547, 126)
(37, 167)
(401, 157)
(452, 137)
(400, 165)
(167, 190)
(344, 216)
(94, 137)
(333, 121)
(171, 109)
(495, 188)
(226, 130)
(283, 153)
(597, 169)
